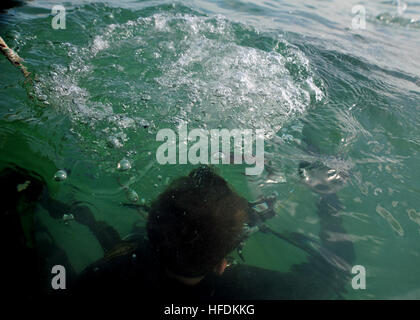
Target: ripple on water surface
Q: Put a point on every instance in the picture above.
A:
(170, 68)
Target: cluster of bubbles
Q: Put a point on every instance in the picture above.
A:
(205, 73)
(125, 165)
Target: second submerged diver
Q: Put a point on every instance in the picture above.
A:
(192, 227)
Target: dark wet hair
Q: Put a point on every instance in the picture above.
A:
(196, 222)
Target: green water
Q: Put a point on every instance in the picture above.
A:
(122, 70)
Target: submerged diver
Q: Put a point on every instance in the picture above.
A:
(28, 249)
(191, 229)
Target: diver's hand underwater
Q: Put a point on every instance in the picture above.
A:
(322, 179)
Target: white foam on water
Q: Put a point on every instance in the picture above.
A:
(99, 44)
(208, 76)
(235, 86)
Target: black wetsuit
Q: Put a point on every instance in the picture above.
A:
(138, 273)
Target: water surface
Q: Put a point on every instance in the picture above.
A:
(122, 70)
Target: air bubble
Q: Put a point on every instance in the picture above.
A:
(113, 142)
(146, 97)
(124, 165)
(68, 217)
(132, 196)
(60, 175)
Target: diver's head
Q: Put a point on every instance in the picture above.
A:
(195, 223)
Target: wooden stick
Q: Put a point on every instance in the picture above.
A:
(13, 57)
